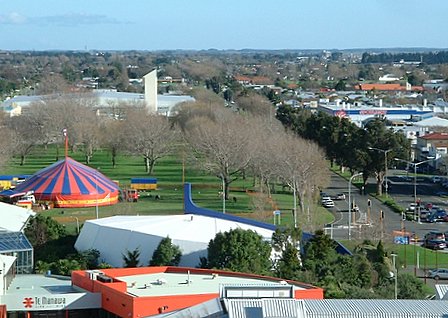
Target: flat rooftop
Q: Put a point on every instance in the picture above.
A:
(39, 284)
(162, 284)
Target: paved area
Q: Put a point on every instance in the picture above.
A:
(374, 219)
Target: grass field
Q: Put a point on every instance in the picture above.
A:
(244, 199)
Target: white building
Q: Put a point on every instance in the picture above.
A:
(191, 233)
(110, 98)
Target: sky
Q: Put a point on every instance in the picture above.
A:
(213, 24)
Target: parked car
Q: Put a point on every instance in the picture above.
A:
(435, 244)
(435, 240)
(411, 207)
(439, 273)
(425, 216)
(340, 196)
(437, 179)
(435, 235)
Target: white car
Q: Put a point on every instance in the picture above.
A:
(328, 203)
(411, 207)
(437, 179)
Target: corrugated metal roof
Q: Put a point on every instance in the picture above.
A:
(266, 308)
(367, 308)
(442, 291)
(274, 308)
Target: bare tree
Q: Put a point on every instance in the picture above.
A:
(74, 112)
(266, 136)
(87, 129)
(7, 144)
(301, 165)
(112, 138)
(149, 135)
(24, 136)
(255, 104)
(222, 145)
(52, 83)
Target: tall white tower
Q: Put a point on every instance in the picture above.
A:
(150, 81)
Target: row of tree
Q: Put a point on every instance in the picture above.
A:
(226, 143)
(440, 57)
(349, 146)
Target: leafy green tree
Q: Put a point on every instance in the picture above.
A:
(340, 85)
(131, 258)
(379, 137)
(285, 242)
(166, 254)
(64, 267)
(42, 229)
(319, 254)
(88, 259)
(239, 250)
(289, 266)
(410, 287)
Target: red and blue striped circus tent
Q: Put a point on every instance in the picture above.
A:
(70, 184)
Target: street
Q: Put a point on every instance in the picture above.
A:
(368, 223)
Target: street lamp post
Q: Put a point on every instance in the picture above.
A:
(294, 201)
(415, 164)
(385, 165)
(350, 204)
(395, 275)
(77, 224)
(223, 196)
(96, 189)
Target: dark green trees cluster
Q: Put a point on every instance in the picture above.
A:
(239, 250)
(365, 274)
(166, 254)
(345, 144)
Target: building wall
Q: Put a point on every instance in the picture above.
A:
(115, 298)
(151, 91)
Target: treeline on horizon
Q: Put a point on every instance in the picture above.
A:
(426, 57)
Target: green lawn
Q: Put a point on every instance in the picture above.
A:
(168, 171)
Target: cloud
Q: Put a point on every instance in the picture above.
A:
(69, 19)
(75, 19)
(12, 18)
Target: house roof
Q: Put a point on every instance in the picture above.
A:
(435, 136)
(13, 217)
(432, 122)
(381, 87)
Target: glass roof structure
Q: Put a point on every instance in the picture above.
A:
(14, 242)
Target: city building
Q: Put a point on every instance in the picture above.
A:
(108, 101)
(138, 292)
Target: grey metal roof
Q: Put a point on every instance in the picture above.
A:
(442, 291)
(266, 308)
(14, 242)
(374, 308)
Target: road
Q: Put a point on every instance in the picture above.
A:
(367, 224)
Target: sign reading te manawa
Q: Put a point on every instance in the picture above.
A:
(31, 302)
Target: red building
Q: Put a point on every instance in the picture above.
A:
(146, 291)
